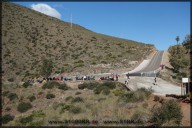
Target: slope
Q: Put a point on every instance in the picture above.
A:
(29, 36)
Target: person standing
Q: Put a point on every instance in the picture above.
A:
(128, 75)
(155, 80)
(116, 77)
(112, 75)
(126, 82)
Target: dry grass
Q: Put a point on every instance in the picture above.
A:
(94, 107)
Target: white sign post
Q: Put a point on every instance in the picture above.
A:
(185, 80)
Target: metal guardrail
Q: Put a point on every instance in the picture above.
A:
(147, 74)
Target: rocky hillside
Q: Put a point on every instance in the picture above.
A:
(28, 37)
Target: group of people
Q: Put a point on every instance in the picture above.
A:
(112, 77)
(116, 76)
(127, 80)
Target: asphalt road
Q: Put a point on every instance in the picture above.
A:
(153, 65)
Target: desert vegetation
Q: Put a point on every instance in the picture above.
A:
(33, 48)
(91, 100)
(179, 59)
(35, 45)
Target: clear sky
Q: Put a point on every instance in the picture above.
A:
(155, 23)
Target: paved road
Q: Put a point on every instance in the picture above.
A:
(162, 88)
(153, 65)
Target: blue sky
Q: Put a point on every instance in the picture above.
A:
(155, 23)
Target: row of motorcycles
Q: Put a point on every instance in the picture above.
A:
(85, 78)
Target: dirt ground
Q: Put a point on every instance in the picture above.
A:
(165, 60)
(185, 107)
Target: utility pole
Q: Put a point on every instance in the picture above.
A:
(71, 21)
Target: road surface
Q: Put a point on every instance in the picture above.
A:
(162, 88)
(151, 69)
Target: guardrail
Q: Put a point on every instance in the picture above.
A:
(154, 73)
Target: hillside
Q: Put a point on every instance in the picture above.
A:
(28, 37)
(178, 62)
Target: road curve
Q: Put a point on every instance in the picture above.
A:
(152, 67)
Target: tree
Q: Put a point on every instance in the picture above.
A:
(170, 111)
(46, 68)
(186, 42)
(177, 39)
(176, 57)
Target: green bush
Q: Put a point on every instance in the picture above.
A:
(93, 63)
(141, 116)
(35, 119)
(181, 74)
(63, 87)
(169, 111)
(129, 97)
(106, 91)
(11, 79)
(89, 85)
(82, 86)
(79, 65)
(118, 92)
(77, 99)
(136, 96)
(92, 85)
(50, 85)
(110, 85)
(145, 105)
(26, 84)
(50, 96)
(79, 61)
(98, 90)
(173, 76)
(103, 62)
(40, 93)
(23, 107)
(8, 109)
(75, 110)
(26, 120)
(65, 107)
(77, 93)
(12, 96)
(5, 93)
(6, 118)
(145, 92)
(69, 98)
(31, 98)
(100, 99)
(156, 98)
(38, 114)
